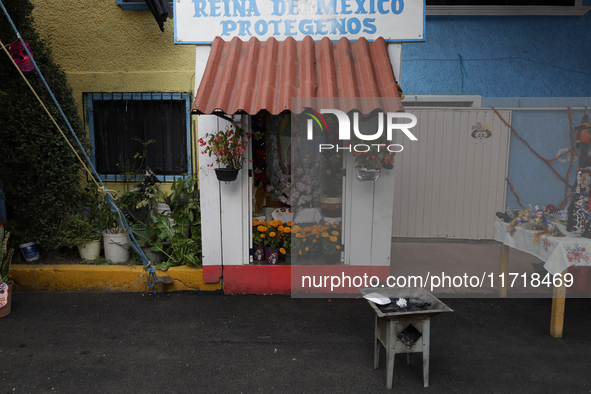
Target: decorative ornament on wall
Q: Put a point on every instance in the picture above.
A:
(480, 132)
(20, 55)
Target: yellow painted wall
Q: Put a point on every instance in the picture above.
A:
(103, 48)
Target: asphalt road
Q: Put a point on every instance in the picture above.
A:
(211, 343)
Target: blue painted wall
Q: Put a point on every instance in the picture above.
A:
(512, 61)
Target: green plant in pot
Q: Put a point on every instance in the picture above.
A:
(81, 230)
(175, 247)
(228, 147)
(6, 254)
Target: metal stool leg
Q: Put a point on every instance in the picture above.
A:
(390, 352)
(376, 348)
(426, 334)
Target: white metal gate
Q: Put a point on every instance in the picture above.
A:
(450, 183)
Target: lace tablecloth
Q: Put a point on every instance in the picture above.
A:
(558, 253)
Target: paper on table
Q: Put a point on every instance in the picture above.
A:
(377, 298)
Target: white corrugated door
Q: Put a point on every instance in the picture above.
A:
(448, 183)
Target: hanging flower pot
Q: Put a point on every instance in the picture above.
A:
(226, 174)
(366, 174)
(228, 147)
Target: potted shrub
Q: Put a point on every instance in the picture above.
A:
(176, 249)
(258, 240)
(286, 236)
(331, 245)
(369, 164)
(115, 240)
(228, 147)
(5, 281)
(273, 241)
(82, 231)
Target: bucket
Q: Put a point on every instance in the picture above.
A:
(90, 250)
(116, 247)
(163, 208)
(30, 251)
(331, 206)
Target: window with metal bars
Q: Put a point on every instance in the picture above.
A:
(134, 131)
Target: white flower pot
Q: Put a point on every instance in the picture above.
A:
(90, 250)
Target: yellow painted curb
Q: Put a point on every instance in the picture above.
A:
(104, 278)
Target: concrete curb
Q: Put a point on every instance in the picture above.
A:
(104, 278)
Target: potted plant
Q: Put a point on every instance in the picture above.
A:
(258, 240)
(228, 147)
(176, 249)
(5, 280)
(286, 236)
(331, 245)
(369, 163)
(82, 231)
(273, 241)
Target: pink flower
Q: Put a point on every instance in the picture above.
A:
(577, 255)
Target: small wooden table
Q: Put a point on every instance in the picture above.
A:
(557, 253)
(389, 326)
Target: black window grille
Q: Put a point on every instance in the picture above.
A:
(132, 131)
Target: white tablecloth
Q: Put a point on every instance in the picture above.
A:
(558, 253)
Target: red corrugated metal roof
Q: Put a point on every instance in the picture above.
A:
(252, 76)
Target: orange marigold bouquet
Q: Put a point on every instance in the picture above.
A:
(273, 236)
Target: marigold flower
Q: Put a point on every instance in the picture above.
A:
(255, 222)
(307, 249)
(280, 228)
(335, 233)
(280, 222)
(338, 246)
(324, 235)
(290, 223)
(262, 235)
(272, 234)
(298, 235)
(262, 229)
(313, 241)
(286, 230)
(282, 251)
(333, 239)
(273, 223)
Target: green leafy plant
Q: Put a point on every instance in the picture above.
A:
(99, 261)
(227, 146)
(171, 241)
(39, 172)
(258, 232)
(152, 195)
(5, 256)
(331, 236)
(129, 169)
(106, 218)
(273, 236)
(78, 229)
